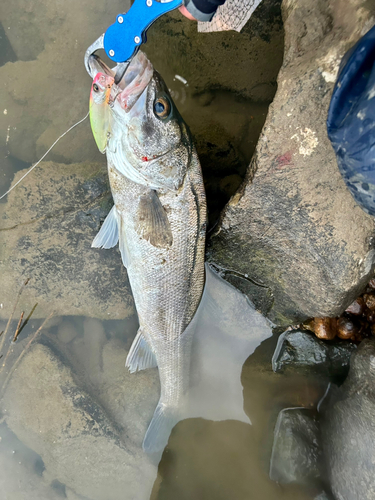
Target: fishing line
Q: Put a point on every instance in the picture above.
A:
(45, 154)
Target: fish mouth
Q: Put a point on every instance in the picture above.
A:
(136, 77)
(96, 65)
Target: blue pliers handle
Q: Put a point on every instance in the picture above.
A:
(122, 39)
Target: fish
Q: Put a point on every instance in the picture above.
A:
(159, 219)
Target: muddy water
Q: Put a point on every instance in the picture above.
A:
(221, 448)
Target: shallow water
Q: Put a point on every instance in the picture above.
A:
(73, 419)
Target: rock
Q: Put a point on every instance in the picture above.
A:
(346, 328)
(292, 238)
(21, 471)
(47, 226)
(301, 350)
(322, 496)
(66, 332)
(357, 307)
(325, 328)
(296, 455)
(80, 445)
(7, 52)
(348, 429)
(94, 339)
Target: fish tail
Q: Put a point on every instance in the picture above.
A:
(158, 432)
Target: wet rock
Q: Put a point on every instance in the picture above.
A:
(369, 300)
(47, 226)
(348, 429)
(80, 445)
(346, 329)
(324, 328)
(296, 454)
(300, 350)
(66, 332)
(292, 232)
(7, 53)
(21, 475)
(357, 307)
(323, 496)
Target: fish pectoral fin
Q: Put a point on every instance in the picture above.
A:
(140, 356)
(108, 235)
(160, 428)
(152, 221)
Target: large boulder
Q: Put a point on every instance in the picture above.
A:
(292, 238)
(47, 226)
(348, 429)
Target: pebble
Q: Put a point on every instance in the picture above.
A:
(357, 322)
(324, 328)
(346, 328)
(357, 307)
(369, 300)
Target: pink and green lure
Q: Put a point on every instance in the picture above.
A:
(99, 109)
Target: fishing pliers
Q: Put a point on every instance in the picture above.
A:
(122, 39)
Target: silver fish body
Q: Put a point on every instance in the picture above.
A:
(160, 219)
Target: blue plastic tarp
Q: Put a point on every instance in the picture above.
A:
(351, 121)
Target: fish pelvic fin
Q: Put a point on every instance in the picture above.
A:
(108, 235)
(140, 356)
(152, 221)
(111, 233)
(157, 435)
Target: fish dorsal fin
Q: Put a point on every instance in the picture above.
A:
(107, 237)
(140, 356)
(152, 221)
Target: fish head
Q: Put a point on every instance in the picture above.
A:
(157, 141)
(100, 95)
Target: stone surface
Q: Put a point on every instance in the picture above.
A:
(292, 238)
(301, 350)
(80, 445)
(22, 469)
(46, 228)
(348, 429)
(296, 454)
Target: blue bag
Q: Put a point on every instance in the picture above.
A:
(351, 121)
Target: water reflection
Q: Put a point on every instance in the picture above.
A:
(228, 331)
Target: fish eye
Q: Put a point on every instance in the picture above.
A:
(95, 87)
(162, 107)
